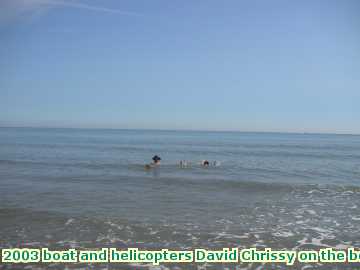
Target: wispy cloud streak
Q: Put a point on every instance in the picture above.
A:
(79, 5)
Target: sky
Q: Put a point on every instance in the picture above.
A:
(247, 65)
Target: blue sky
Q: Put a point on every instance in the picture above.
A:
(220, 65)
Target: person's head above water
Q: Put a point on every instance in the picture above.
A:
(205, 163)
(156, 159)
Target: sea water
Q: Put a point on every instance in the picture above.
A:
(88, 188)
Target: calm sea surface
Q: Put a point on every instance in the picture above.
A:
(82, 188)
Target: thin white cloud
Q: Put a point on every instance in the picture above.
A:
(79, 5)
(14, 9)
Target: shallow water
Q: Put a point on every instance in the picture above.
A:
(62, 188)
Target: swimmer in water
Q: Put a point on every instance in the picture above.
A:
(184, 164)
(156, 160)
(205, 163)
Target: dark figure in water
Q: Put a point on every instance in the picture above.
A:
(156, 159)
(205, 163)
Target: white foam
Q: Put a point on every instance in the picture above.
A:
(320, 230)
(314, 191)
(120, 227)
(230, 236)
(160, 267)
(32, 244)
(307, 267)
(71, 220)
(317, 242)
(153, 232)
(342, 246)
(311, 212)
(283, 234)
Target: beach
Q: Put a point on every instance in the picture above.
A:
(88, 188)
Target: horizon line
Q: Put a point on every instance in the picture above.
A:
(189, 130)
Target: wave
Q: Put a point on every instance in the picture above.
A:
(210, 149)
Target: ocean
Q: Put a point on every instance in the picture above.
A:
(88, 188)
